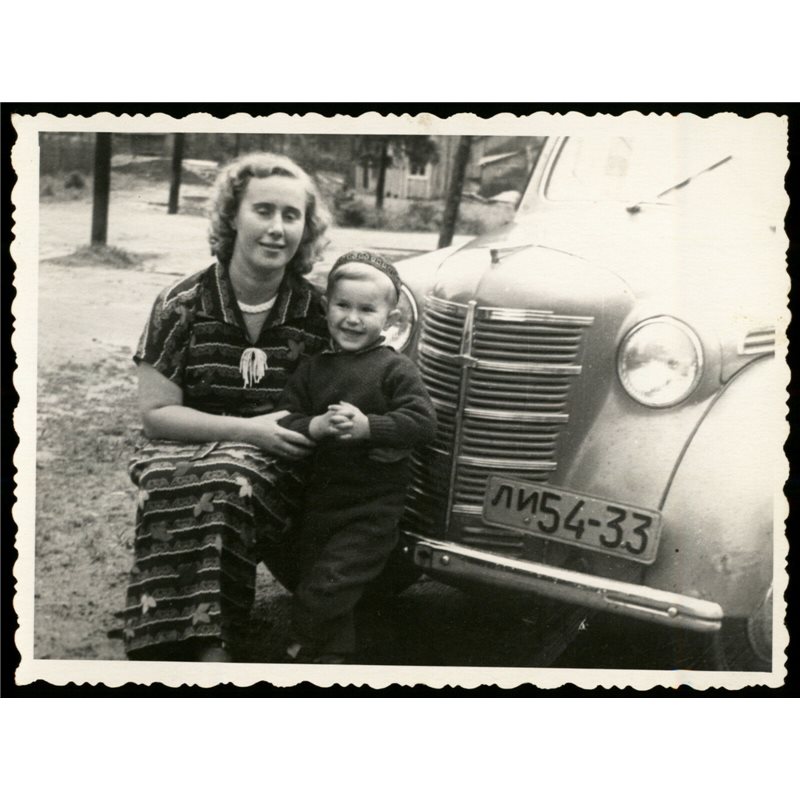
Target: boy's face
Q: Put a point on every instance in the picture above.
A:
(358, 310)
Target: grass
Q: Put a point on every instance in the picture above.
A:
(101, 255)
(88, 425)
(87, 422)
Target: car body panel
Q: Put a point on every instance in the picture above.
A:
(694, 251)
(719, 507)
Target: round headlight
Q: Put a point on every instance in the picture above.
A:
(660, 362)
(398, 334)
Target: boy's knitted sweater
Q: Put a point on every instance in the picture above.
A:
(383, 384)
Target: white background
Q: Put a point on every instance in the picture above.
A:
(414, 52)
(501, 51)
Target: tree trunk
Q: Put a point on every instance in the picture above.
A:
(352, 174)
(454, 191)
(175, 178)
(383, 161)
(102, 187)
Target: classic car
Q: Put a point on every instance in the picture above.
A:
(604, 373)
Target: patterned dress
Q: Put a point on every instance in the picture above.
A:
(207, 513)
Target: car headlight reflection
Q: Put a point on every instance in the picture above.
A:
(398, 334)
(660, 362)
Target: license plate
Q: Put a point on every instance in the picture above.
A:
(550, 512)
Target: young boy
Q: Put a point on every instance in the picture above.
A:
(366, 407)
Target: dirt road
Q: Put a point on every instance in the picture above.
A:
(87, 312)
(89, 320)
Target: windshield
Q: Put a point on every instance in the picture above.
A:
(696, 168)
(630, 169)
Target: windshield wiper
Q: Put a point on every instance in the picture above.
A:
(636, 207)
(688, 180)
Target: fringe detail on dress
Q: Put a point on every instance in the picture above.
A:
(253, 366)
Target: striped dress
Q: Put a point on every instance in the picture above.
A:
(207, 513)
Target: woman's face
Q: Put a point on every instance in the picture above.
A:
(269, 223)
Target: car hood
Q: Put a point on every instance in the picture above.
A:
(682, 259)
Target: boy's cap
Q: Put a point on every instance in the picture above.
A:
(373, 260)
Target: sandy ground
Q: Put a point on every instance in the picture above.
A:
(177, 243)
(89, 321)
(86, 313)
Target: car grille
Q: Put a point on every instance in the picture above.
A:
(500, 380)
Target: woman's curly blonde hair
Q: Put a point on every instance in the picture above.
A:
(229, 189)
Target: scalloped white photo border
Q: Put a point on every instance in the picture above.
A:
(769, 128)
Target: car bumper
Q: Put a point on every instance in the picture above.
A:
(452, 563)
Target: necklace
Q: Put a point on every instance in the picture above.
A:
(253, 366)
(259, 309)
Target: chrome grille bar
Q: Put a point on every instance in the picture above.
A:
(500, 379)
(529, 315)
(464, 353)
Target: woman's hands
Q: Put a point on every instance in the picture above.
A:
(264, 431)
(165, 417)
(343, 421)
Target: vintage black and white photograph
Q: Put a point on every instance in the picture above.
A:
(401, 399)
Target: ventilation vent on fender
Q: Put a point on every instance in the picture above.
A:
(757, 341)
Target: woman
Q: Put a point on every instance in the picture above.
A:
(216, 478)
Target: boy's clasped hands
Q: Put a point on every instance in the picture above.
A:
(342, 421)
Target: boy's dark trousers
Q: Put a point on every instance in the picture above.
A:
(348, 529)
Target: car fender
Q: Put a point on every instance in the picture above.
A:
(717, 534)
(418, 275)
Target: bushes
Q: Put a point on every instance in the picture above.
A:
(424, 216)
(352, 211)
(69, 186)
(478, 218)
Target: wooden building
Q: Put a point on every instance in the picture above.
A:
(497, 163)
